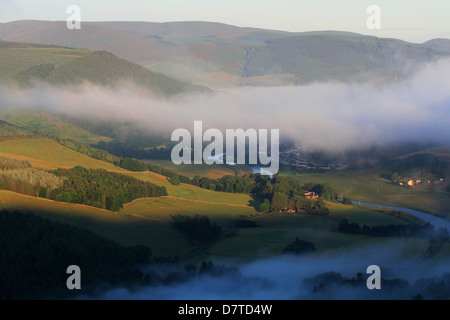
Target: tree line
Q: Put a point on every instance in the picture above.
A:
(425, 162)
(409, 230)
(101, 188)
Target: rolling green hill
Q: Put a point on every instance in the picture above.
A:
(21, 62)
(26, 63)
(104, 68)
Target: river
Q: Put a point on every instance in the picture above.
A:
(433, 220)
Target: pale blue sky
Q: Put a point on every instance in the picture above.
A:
(412, 20)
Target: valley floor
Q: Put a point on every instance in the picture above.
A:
(149, 221)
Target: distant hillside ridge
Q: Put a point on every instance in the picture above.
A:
(324, 56)
(221, 55)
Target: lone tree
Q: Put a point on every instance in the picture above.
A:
(299, 247)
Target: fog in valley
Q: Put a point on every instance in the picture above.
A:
(335, 276)
(325, 116)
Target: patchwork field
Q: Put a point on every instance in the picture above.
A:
(148, 221)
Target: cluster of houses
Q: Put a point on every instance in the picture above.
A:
(294, 158)
(309, 195)
(411, 182)
(289, 210)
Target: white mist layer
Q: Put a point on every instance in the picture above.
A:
(330, 116)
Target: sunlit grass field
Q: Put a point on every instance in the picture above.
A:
(213, 171)
(187, 191)
(164, 208)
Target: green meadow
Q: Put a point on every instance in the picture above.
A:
(277, 230)
(267, 242)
